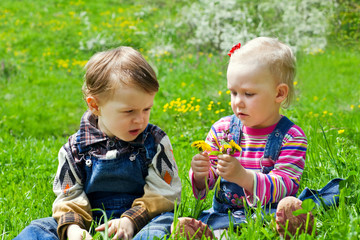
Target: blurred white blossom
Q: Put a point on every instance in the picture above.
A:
(302, 24)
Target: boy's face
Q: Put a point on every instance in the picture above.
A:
(126, 114)
(255, 97)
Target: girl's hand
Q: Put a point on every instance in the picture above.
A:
(231, 170)
(200, 164)
(74, 232)
(123, 228)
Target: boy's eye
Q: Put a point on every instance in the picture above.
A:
(249, 94)
(233, 93)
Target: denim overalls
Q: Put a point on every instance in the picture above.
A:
(218, 216)
(114, 181)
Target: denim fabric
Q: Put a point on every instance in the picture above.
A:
(45, 229)
(328, 195)
(113, 184)
(158, 227)
(40, 229)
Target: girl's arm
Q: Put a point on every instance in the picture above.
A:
(284, 179)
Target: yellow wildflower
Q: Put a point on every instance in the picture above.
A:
(341, 131)
(234, 145)
(201, 146)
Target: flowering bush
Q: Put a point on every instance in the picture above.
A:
(302, 24)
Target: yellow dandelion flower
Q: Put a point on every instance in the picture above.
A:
(228, 92)
(201, 146)
(315, 98)
(234, 145)
(341, 131)
(352, 106)
(220, 92)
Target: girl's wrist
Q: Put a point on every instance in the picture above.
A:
(246, 180)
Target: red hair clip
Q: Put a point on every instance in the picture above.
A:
(235, 47)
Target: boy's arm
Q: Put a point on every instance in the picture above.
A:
(71, 205)
(284, 179)
(162, 188)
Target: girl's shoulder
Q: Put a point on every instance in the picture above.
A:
(295, 132)
(223, 123)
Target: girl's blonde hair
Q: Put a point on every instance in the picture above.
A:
(277, 56)
(105, 71)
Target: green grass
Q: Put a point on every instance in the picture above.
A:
(41, 104)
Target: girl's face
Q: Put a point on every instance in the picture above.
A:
(126, 114)
(255, 96)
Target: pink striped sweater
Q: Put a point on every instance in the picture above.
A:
(282, 181)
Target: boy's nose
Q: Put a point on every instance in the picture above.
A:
(139, 118)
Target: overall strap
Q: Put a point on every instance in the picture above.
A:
(274, 141)
(235, 129)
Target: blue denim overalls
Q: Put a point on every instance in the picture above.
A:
(226, 197)
(112, 183)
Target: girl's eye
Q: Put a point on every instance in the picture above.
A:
(249, 94)
(147, 109)
(233, 93)
(129, 111)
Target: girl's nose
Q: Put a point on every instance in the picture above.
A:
(239, 101)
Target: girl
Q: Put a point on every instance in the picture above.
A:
(269, 167)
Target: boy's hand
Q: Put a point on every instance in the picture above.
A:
(123, 228)
(75, 232)
(231, 170)
(200, 164)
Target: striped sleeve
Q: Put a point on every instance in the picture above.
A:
(284, 179)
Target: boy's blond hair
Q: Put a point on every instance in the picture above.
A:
(105, 71)
(277, 56)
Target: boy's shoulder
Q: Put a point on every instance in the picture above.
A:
(156, 132)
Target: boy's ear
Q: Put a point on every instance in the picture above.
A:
(93, 105)
(282, 92)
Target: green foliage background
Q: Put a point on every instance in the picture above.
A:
(45, 44)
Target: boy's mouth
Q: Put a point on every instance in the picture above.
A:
(134, 132)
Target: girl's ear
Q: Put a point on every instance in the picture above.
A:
(93, 105)
(282, 92)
